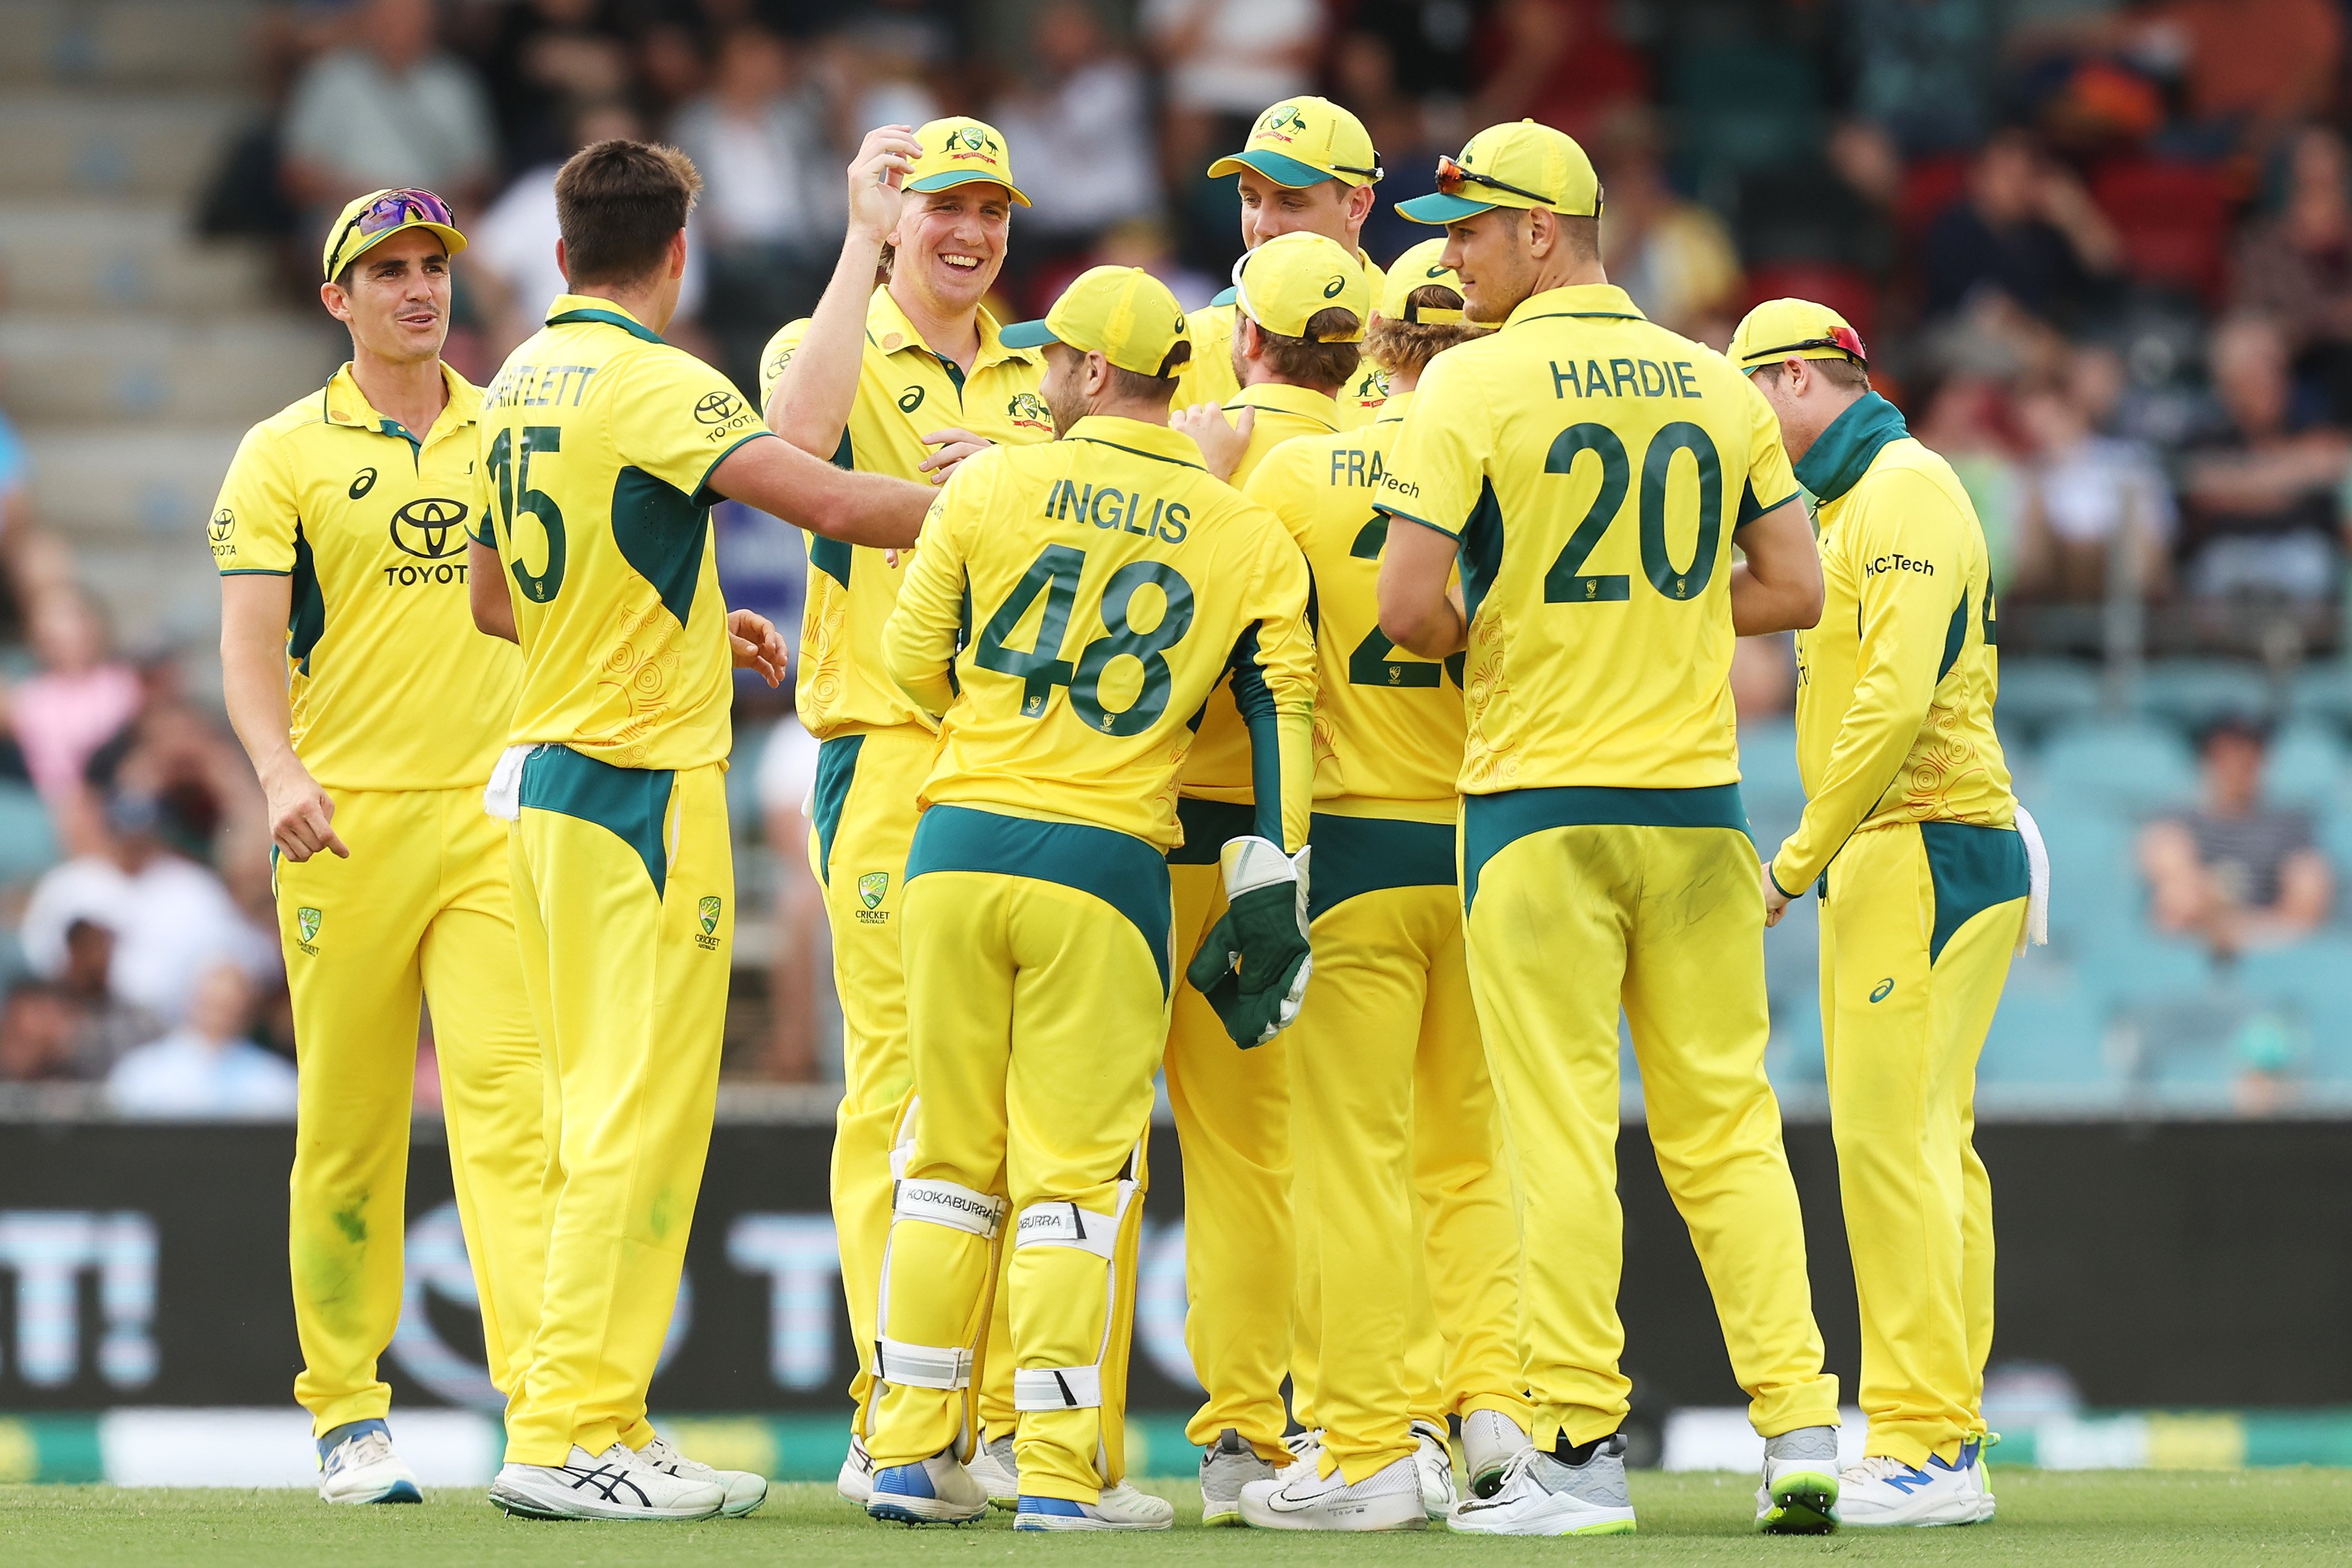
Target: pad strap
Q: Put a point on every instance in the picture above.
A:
(950, 1204)
(921, 1366)
(1061, 1223)
(1057, 1388)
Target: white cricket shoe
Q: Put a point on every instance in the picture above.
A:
(1226, 1467)
(1542, 1496)
(1799, 1492)
(356, 1464)
(745, 1491)
(1433, 1463)
(1489, 1439)
(1391, 1498)
(937, 1490)
(610, 1485)
(1881, 1492)
(1119, 1507)
(856, 1480)
(1304, 1448)
(997, 1471)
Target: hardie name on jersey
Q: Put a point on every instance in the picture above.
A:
(1108, 507)
(1624, 378)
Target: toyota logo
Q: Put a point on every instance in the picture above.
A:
(718, 408)
(223, 524)
(424, 527)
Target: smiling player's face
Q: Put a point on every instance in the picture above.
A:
(950, 245)
(397, 301)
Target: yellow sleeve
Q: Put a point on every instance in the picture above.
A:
(778, 354)
(919, 641)
(676, 418)
(1907, 537)
(1439, 467)
(1273, 666)
(1282, 484)
(1770, 480)
(257, 516)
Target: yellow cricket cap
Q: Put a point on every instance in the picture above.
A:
(1419, 268)
(1781, 330)
(958, 151)
(1521, 165)
(1304, 142)
(1284, 282)
(368, 221)
(1122, 313)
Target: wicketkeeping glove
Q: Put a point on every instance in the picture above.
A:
(1253, 965)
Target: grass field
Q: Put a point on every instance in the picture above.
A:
(2213, 1519)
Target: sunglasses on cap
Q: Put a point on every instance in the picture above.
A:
(1844, 340)
(1375, 174)
(1452, 176)
(393, 209)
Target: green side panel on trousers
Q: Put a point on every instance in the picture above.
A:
(1118, 868)
(1972, 869)
(1491, 823)
(1207, 825)
(628, 802)
(836, 767)
(1366, 854)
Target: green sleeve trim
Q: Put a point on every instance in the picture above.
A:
(255, 571)
(1454, 534)
(1776, 883)
(1749, 511)
(704, 494)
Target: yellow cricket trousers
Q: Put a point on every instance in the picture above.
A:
(862, 824)
(1408, 1242)
(1039, 964)
(624, 896)
(1233, 1126)
(1579, 901)
(1918, 929)
(422, 908)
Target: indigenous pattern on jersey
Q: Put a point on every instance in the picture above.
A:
(1594, 468)
(1895, 683)
(392, 687)
(1387, 724)
(1107, 583)
(1209, 376)
(904, 392)
(599, 439)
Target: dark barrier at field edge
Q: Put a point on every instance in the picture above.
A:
(2177, 1264)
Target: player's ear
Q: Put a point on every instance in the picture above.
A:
(338, 303)
(677, 253)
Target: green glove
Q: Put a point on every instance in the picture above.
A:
(1253, 965)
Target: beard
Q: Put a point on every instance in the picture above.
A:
(1066, 404)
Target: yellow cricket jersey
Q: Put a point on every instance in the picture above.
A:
(1387, 724)
(1895, 684)
(392, 687)
(1219, 768)
(1208, 376)
(904, 392)
(1594, 468)
(1107, 583)
(599, 438)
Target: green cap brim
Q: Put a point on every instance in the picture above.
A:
(954, 177)
(1439, 209)
(1026, 335)
(1275, 166)
(451, 241)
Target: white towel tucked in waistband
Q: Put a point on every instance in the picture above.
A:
(2037, 867)
(503, 797)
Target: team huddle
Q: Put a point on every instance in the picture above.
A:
(1318, 702)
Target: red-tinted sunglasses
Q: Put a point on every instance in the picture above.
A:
(1452, 176)
(1845, 339)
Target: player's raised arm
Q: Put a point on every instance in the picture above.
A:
(856, 509)
(919, 641)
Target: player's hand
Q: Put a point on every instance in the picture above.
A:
(1776, 902)
(1221, 442)
(1254, 964)
(877, 176)
(955, 444)
(302, 816)
(757, 644)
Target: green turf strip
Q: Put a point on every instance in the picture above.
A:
(2206, 1518)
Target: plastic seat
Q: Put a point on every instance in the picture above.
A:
(29, 840)
(2134, 968)
(2307, 766)
(2193, 692)
(2037, 695)
(2048, 1031)
(2094, 884)
(2172, 217)
(2128, 765)
(2323, 692)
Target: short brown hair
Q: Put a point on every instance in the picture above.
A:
(1405, 347)
(617, 205)
(1135, 384)
(1313, 361)
(1841, 373)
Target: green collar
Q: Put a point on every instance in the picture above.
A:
(1844, 452)
(571, 309)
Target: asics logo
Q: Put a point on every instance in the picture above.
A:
(1883, 989)
(609, 1484)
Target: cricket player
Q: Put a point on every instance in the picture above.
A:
(1307, 167)
(904, 378)
(373, 713)
(1591, 472)
(1393, 1113)
(1913, 839)
(1106, 582)
(605, 448)
(1304, 304)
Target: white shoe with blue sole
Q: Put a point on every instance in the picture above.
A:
(356, 1464)
(937, 1490)
(1121, 1507)
(1882, 1492)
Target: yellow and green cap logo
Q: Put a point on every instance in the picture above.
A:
(959, 150)
(1781, 330)
(1122, 313)
(1419, 268)
(1283, 283)
(1521, 165)
(1304, 142)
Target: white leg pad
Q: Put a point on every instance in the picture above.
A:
(1060, 1224)
(922, 1366)
(950, 1204)
(1057, 1388)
